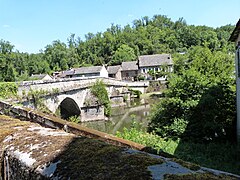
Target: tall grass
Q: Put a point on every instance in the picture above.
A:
(225, 157)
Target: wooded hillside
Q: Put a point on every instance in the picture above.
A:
(158, 34)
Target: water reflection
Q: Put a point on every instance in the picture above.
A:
(123, 117)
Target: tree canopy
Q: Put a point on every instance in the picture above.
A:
(200, 100)
(158, 34)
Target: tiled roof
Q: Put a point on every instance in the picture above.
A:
(129, 66)
(87, 70)
(113, 69)
(38, 76)
(65, 73)
(235, 32)
(81, 70)
(155, 60)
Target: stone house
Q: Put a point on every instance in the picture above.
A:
(235, 37)
(92, 71)
(129, 70)
(155, 63)
(115, 72)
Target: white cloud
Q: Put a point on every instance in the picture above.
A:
(6, 26)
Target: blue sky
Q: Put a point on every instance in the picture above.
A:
(30, 25)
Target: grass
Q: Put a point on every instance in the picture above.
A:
(221, 156)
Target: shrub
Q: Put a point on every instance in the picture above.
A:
(99, 90)
(8, 90)
(135, 92)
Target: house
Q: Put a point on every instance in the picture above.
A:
(44, 77)
(64, 74)
(129, 70)
(155, 63)
(115, 72)
(92, 71)
(235, 37)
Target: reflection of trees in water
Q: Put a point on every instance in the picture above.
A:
(121, 118)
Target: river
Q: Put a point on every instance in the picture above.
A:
(123, 117)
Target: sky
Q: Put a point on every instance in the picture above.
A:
(30, 25)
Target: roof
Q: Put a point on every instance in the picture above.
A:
(235, 32)
(87, 70)
(155, 60)
(65, 73)
(81, 70)
(129, 66)
(113, 69)
(38, 76)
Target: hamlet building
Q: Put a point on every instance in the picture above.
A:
(235, 37)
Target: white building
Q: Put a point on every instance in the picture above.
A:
(91, 71)
(155, 63)
(235, 37)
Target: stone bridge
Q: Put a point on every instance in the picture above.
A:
(70, 95)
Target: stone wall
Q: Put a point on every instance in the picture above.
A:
(92, 113)
(45, 120)
(30, 151)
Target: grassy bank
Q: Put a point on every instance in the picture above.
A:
(223, 157)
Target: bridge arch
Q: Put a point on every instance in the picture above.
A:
(68, 107)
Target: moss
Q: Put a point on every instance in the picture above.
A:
(7, 125)
(198, 176)
(98, 160)
(188, 165)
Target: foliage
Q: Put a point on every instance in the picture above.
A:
(75, 119)
(123, 53)
(8, 89)
(36, 97)
(137, 93)
(99, 90)
(200, 101)
(141, 77)
(220, 156)
(155, 35)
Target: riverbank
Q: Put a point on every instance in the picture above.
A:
(221, 156)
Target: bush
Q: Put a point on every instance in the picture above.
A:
(99, 90)
(221, 156)
(75, 119)
(8, 90)
(135, 92)
(200, 102)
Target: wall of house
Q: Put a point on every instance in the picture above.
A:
(237, 63)
(238, 39)
(47, 77)
(103, 72)
(118, 75)
(144, 70)
(86, 75)
(129, 75)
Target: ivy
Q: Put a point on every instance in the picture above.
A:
(99, 90)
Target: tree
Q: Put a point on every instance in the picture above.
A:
(6, 47)
(123, 53)
(200, 101)
(10, 75)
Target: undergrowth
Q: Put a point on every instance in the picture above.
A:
(221, 156)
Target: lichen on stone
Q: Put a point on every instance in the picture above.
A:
(198, 176)
(188, 165)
